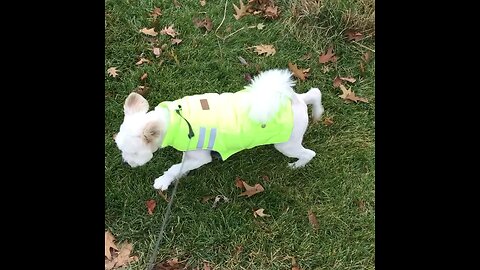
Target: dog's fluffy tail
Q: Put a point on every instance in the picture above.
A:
(314, 97)
(270, 90)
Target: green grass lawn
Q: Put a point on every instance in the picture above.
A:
(338, 185)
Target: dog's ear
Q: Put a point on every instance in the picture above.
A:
(152, 132)
(135, 103)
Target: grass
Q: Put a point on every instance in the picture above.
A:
(338, 185)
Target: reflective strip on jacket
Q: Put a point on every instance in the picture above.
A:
(221, 123)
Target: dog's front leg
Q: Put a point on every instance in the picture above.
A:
(191, 160)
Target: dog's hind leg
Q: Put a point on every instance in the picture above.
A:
(293, 147)
(191, 160)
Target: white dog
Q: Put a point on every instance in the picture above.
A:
(267, 111)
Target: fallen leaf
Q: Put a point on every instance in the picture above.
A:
(124, 255)
(243, 61)
(250, 191)
(207, 198)
(260, 213)
(151, 206)
(306, 56)
(239, 182)
(336, 82)
(313, 220)
(206, 266)
(349, 95)
(240, 12)
(353, 35)
(327, 121)
(203, 2)
(164, 196)
(264, 49)
(348, 79)
(361, 205)
(170, 264)
(169, 31)
(157, 51)
(295, 264)
(150, 31)
(366, 57)
(362, 68)
(141, 61)
(144, 76)
(156, 12)
(271, 12)
(203, 23)
(112, 72)
(175, 40)
(302, 74)
(142, 90)
(327, 57)
(109, 238)
(218, 198)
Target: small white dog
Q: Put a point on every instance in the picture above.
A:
(267, 111)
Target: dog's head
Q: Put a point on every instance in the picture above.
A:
(140, 133)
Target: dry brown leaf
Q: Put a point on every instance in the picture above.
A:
(362, 68)
(142, 90)
(203, 2)
(151, 206)
(250, 191)
(207, 198)
(109, 238)
(361, 205)
(124, 255)
(264, 49)
(164, 196)
(175, 40)
(170, 264)
(353, 35)
(313, 220)
(295, 264)
(157, 51)
(366, 57)
(169, 31)
(149, 31)
(112, 72)
(239, 182)
(271, 12)
(240, 12)
(327, 121)
(302, 74)
(206, 266)
(203, 23)
(348, 79)
(329, 56)
(144, 76)
(260, 213)
(141, 61)
(350, 95)
(306, 56)
(336, 82)
(156, 12)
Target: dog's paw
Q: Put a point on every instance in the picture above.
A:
(162, 183)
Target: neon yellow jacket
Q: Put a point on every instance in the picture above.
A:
(221, 124)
